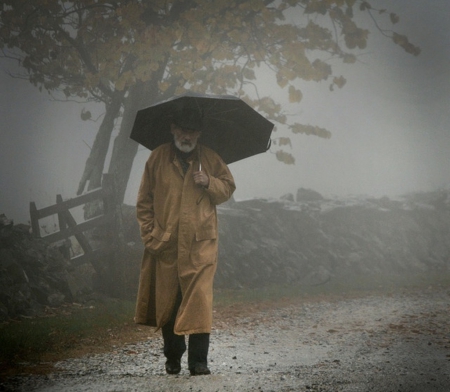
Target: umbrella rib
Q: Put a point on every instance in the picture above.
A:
(223, 111)
(224, 120)
(219, 112)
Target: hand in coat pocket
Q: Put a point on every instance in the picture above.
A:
(159, 240)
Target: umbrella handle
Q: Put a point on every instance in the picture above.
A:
(200, 169)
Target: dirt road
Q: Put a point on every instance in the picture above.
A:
(382, 343)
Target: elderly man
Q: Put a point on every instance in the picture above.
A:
(182, 183)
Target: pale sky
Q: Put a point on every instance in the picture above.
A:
(390, 127)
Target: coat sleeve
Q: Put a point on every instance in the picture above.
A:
(221, 182)
(144, 205)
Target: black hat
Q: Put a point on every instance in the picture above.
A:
(189, 118)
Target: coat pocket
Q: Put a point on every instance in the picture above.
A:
(204, 249)
(159, 240)
(209, 233)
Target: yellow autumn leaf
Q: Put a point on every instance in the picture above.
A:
(310, 130)
(339, 81)
(285, 157)
(284, 141)
(294, 95)
(163, 86)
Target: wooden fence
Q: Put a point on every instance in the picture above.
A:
(68, 226)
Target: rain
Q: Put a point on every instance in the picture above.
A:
(365, 211)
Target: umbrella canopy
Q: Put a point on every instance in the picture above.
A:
(229, 126)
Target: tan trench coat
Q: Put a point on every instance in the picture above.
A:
(178, 222)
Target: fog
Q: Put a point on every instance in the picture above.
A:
(389, 128)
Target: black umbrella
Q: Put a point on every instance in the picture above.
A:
(229, 126)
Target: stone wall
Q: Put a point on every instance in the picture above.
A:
(32, 274)
(280, 241)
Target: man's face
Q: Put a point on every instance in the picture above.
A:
(185, 139)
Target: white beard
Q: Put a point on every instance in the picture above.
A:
(185, 147)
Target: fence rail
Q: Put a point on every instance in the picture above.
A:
(68, 226)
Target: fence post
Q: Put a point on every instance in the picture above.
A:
(34, 217)
(61, 218)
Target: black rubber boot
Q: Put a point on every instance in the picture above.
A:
(174, 345)
(198, 354)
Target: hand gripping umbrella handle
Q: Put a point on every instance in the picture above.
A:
(200, 169)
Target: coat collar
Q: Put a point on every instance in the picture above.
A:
(182, 160)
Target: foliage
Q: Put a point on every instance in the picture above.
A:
(104, 50)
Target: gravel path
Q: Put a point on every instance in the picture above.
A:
(382, 343)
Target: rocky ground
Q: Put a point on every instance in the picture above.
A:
(379, 342)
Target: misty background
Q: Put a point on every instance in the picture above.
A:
(389, 127)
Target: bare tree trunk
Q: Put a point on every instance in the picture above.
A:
(125, 149)
(93, 169)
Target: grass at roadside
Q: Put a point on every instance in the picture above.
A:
(78, 330)
(30, 339)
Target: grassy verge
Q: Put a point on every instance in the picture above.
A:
(110, 322)
(31, 339)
